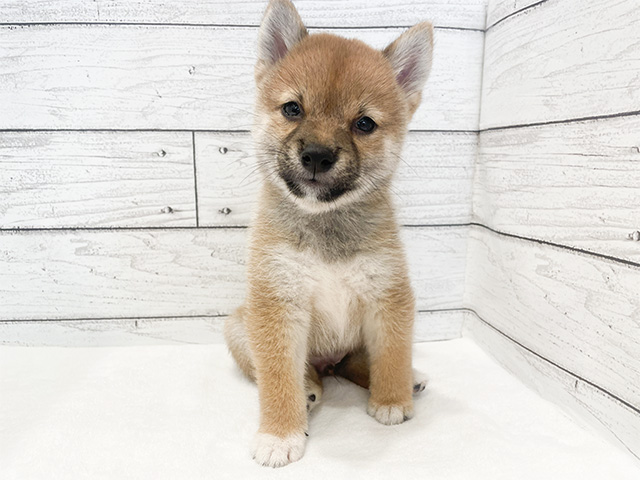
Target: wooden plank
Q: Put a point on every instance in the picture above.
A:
(498, 10)
(82, 179)
(185, 77)
(583, 63)
(588, 404)
(112, 332)
(104, 274)
(439, 325)
(576, 184)
(437, 259)
(179, 272)
(318, 13)
(433, 184)
(429, 326)
(577, 311)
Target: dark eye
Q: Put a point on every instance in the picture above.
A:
(291, 109)
(365, 124)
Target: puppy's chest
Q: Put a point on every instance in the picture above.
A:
(337, 291)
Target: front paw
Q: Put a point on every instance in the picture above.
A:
(271, 451)
(390, 414)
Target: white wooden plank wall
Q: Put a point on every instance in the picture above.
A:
(126, 170)
(186, 77)
(461, 14)
(553, 270)
(610, 417)
(582, 64)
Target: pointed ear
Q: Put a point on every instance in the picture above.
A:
(280, 30)
(410, 56)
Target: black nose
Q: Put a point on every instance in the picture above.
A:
(317, 159)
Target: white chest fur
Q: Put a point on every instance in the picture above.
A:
(335, 295)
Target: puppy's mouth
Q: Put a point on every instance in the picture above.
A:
(323, 190)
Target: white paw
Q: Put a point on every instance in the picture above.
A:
(419, 382)
(272, 451)
(390, 414)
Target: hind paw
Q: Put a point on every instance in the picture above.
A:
(314, 394)
(419, 382)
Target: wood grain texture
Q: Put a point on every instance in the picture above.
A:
(583, 63)
(438, 326)
(429, 326)
(577, 311)
(588, 404)
(576, 184)
(105, 274)
(433, 184)
(113, 332)
(81, 179)
(437, 258)
(185, 77)
(498, 10)
(318, 13)
(178, 272)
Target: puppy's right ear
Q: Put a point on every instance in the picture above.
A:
(280, 30)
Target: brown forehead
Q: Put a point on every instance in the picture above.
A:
(336, 73)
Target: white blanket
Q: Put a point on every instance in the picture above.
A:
(185, 412)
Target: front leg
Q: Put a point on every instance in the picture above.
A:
(278, 335)
(388, 338)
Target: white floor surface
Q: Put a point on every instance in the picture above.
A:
(185, 412)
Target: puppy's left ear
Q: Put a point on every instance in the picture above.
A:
(410, 56)
(280, 30)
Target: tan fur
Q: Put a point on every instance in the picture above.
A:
(327, 279)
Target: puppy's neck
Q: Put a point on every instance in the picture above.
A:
(336, 234)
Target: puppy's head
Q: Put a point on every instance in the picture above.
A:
(331, 112)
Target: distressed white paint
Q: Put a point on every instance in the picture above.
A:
(439, 325)
(571, 183)
(106, 274)
(174, 272)
(429, 326)
(498, 10)
(432, 185)
(113, 332)
(317, 13)
(578, 311)
(186, 77)
(611, 418)
(576, 184)
(80, 179)
(583, 63)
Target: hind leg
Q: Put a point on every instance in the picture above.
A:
(238, 342)
(355, 368)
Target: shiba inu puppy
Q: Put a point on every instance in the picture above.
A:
(328, 288)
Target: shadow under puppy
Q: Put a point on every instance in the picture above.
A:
(328, 287)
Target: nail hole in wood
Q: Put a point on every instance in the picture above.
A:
(223, 150)
(635, 236)
(162, 153)
(167, 209)
(225, 211)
